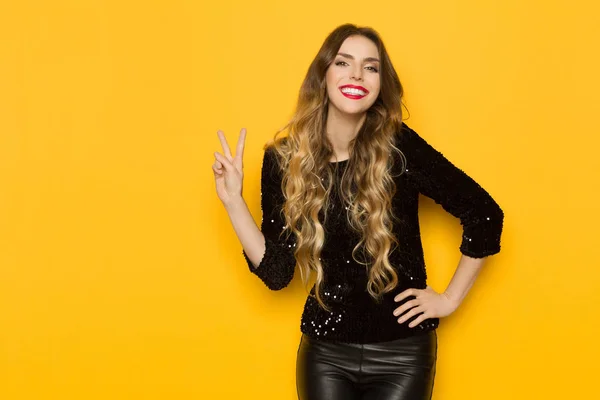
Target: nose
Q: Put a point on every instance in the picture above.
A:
(356, 74)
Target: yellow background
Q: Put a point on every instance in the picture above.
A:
(120, 274)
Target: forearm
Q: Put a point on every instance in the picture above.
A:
(464, 277)
(250, 236)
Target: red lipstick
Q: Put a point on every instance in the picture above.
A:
(354, 96)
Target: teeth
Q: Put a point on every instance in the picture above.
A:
(353, 91)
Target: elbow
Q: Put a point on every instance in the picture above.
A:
(491, 211)
(482, 235)
(276, 269)
(274, 277)
(279, 276)
(498, 213)
(489, 217)
(278, 284)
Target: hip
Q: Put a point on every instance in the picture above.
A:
(416, 351)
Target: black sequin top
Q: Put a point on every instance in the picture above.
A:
(355, 317)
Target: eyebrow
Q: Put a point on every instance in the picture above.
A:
(375, 59)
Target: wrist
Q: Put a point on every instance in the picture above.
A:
(235, 203)
(452, 299)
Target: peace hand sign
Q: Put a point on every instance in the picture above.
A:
(228, 170)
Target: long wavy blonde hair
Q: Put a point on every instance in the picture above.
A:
(367, 186)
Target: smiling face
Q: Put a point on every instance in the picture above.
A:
(353, 80)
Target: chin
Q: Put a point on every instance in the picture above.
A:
(353, 110)
(350, 109)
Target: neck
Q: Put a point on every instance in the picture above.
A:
(341, 128)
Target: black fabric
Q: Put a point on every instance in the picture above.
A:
(402, 369)
(355, 317)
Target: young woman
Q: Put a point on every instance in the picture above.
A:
(339, 197)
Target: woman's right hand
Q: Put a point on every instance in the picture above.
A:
(228, 170)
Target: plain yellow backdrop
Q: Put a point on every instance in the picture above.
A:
(120, 274)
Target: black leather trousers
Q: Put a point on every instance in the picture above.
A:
(402, 369)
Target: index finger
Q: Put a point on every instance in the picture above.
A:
(405, 294)
(239, 150)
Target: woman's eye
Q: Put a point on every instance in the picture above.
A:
(344, 62)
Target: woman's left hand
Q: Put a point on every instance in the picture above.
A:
(428, 303)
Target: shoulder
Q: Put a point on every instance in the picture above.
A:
(409, 142)
(414, 145)
(271, 156)
(272, 162)
(406, 137)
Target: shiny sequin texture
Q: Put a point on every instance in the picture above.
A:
(354, 316)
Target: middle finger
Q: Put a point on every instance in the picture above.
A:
(406, 306)
(408, 315)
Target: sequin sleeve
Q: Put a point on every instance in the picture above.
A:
(276, 269)
(437, 178)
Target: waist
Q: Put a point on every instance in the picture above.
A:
(359, 319)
